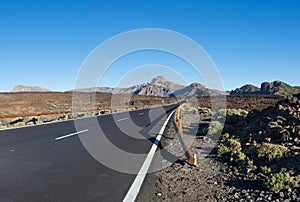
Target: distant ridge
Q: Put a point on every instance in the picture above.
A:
(246, 89)
(159, 86)
(278, 88)
(190, 90)
(21, 88)
(268, 88)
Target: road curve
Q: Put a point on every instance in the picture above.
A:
(49, 163)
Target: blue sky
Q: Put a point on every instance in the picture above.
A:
(44, 43)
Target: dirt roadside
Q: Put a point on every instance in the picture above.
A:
(215, 178)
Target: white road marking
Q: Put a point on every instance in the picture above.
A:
(141, 114)
(72, 134)
(122, 119)
(139, 179)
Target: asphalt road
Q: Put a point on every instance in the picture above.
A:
(35, 165)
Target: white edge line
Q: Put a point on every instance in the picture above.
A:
(139, 179)
(72, 134)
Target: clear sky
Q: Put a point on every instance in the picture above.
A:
(44, 43)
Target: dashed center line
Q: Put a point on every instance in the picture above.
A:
(122, 119)
(72, 134)
(141, 114)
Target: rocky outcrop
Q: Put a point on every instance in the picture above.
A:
(21, 88)
(245, 102)
(191, 90)
(277, 124)
(159, 86)
(245, 90)
(267, 88)
(278, 88)
(197, 89)
(229, 181)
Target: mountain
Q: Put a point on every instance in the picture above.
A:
(191, 90)
(159, 86)
(278, 88)
(196, 89)
(268, 88)
(21, 88)
(246, 89)
(106, 90)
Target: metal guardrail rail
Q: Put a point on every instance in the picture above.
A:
(49, 113)
(62, 112)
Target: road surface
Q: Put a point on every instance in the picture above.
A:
(49, 163)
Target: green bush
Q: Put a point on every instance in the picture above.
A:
(233, 116)
(219, 114)
(271, 151)
(249, 162)
(225, 136)
(233, 119)
(234, 145)
(213, 128)
(239, 112)
(243, 112)
(3, 127)
(280, 181)
(239, 157)
(204, 112)
(223, 150)
(265, 170)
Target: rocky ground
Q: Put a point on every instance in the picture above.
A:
(231, 176)
(23, 108)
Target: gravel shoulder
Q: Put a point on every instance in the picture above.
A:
(215, 178)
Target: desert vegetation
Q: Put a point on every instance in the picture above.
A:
(264, 143)
(257, 152)
(28, 108)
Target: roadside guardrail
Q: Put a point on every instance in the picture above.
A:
(67, 113)
(191, 158)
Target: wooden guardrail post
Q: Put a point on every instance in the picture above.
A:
(39, 119)
(191, 158)
(67, 115)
